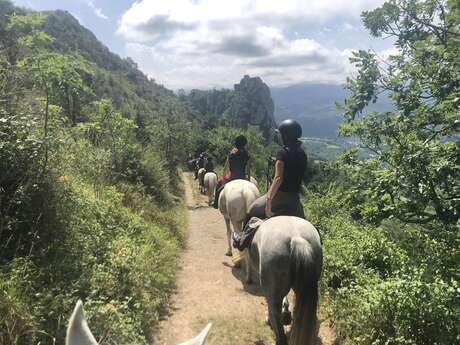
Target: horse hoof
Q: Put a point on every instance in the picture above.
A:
(229, 253)
(286, 318)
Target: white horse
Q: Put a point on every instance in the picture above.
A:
(234, 202)
(254, 181)
(287, 253)
(78, 332)
(210, 183)
(201, 173)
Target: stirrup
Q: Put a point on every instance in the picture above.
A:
(236, 240)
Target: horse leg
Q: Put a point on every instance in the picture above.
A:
(275, 282)
(229, 237)
(286, 314)
(209, 192)
(243, 255)
(247, 260)
(274, 316)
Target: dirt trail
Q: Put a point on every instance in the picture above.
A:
(209, 289)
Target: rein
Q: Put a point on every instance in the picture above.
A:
(270, 166)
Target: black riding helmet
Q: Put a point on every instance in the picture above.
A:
(290, 130)
(240, 141)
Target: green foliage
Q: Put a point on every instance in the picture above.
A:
(414, 174)
(392, 284)
(390, 223)
(88, 185)
(21, 167)
(97, 249)
(402, 310)
(169, 132)
(208, 106)
(16, 289)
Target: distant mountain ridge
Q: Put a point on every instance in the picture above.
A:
(313, 105)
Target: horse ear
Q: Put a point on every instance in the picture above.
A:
(200, 338)
(78, 332)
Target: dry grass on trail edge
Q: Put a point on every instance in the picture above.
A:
(231, 330)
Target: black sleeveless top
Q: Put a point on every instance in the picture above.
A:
(295, 164)
(237, 163)
(200, 162)
(209, 166)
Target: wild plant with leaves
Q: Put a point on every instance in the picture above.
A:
(414, 174)
(390, 223)
(86, 199)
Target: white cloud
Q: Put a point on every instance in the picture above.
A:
(97, 11)
(209, 43)
(349, 27)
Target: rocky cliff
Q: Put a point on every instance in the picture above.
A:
(252, 104)
(249, 103)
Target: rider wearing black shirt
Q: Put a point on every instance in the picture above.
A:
(209, 166)
(290, 166)
(237, 163)
(295, 164)
(236, 166)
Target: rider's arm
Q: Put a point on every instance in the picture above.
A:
(277, 181)
(226, 168)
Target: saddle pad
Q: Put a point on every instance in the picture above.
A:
(244, 240)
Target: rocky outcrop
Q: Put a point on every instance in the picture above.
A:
(252, 104)
(249, 103)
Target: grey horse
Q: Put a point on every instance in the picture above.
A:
(287, 253)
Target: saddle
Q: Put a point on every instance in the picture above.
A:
(244, 240)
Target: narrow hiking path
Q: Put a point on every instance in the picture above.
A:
(209, 289)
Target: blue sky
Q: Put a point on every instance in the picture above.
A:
(213, 43)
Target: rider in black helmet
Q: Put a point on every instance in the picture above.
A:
(290, 166)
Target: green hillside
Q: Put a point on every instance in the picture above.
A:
(90, 192)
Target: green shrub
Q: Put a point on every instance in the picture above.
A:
(350, 249)
(119, 262)
(391, 284)
(405, 310)
(17, 320)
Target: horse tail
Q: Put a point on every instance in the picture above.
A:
(306, 276)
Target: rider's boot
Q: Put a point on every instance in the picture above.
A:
(236, 238)
(216, 196)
